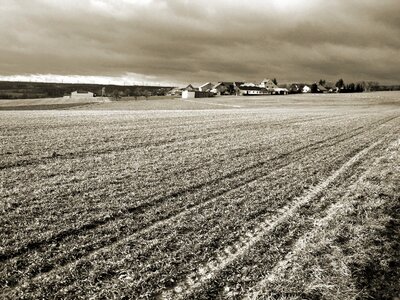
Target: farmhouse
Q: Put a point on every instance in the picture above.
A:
(306, 89)
(321, 89)
(295, 88)
(268, 84)
(249, 90)
(219, 89)
(82, 94)
(226, 88)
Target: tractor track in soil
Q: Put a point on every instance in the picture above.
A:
(93, 254)
(254, 292)
(181, 213)
(141, 207)
(207, 272)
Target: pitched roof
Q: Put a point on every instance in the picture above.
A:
(267, 81)
(217, 85)
(189, 88)
(206, 84)
(248, 84)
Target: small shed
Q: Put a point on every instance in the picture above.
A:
(281, 91)
(195, 94)
(82, 94)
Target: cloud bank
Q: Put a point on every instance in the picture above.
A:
(197, 41)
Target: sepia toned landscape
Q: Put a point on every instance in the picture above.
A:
(199, 150)
(226, 198)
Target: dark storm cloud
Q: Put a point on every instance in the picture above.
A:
(198, 41)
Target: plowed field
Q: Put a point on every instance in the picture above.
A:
(273, 202)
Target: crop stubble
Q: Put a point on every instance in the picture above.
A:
(138, 230)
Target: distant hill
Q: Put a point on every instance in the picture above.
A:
(31, 90)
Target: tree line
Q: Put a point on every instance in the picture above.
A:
(30, 90)
(341, 87)
(358, 87)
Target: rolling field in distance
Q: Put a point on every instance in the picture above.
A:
(226, 198)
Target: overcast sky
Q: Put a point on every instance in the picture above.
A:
(181, 41)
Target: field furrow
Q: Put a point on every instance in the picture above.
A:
(317, 166)
(213, 204)
(236, 251)
(226, 179)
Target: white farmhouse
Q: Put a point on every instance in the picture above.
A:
(246, 90)
(306, 89)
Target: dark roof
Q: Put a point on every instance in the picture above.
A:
(300, 85)
(231, 83)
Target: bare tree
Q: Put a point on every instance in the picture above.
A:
(137, 92)
(146, 94)
(116, 95)
(372, 86)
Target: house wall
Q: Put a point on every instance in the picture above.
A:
(199, 94)
(251, 92)
(254, 92)
(188, 95)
